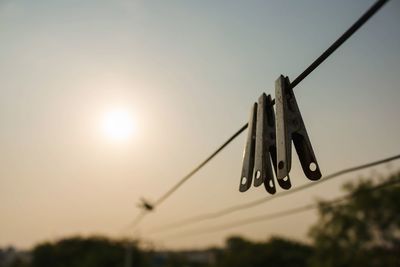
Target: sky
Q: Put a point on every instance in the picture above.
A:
(187, 72)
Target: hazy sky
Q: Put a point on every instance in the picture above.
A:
(189, 71)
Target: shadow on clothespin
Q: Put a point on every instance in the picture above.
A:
(290, 126)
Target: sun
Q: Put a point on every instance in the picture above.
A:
(118, 124)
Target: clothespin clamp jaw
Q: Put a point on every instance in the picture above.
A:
(265, 147)
(248, 155)
(145, 205)
(290, 126)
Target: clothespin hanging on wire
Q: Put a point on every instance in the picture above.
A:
(265, 150)
(290, 126)
(145, 205)
(269, 141)
(248, 155)
(260, 147)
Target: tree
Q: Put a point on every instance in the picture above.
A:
(363, 231)
(277, 252)
(80, 252)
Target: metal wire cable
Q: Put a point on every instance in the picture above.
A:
(201, 165)
(137, 220)
(361, 21)
(143, 213)
(275, 215)
(229, 210)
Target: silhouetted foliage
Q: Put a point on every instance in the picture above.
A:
(80, 252)
(361, 231)
(364, 231)
(277, 252)
(10, 257)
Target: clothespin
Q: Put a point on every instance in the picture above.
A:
(270, 139)
(248, 155)
(144, 204)
(260, 147)
(265, 144)
(290, 126)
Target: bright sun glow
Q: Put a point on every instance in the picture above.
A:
(118, 125)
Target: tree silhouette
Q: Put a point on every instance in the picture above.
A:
(83, 252)
(364, 231)
(276, 252)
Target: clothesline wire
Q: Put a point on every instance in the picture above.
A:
(332, 48)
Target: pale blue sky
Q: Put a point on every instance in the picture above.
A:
(190, 71)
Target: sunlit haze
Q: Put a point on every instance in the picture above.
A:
(118, 124)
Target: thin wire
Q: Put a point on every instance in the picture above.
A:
(361, 21)
(226, 211)
(142, 214)
(288, 212)
(190, 174)
(138, 219)
(364, 18)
